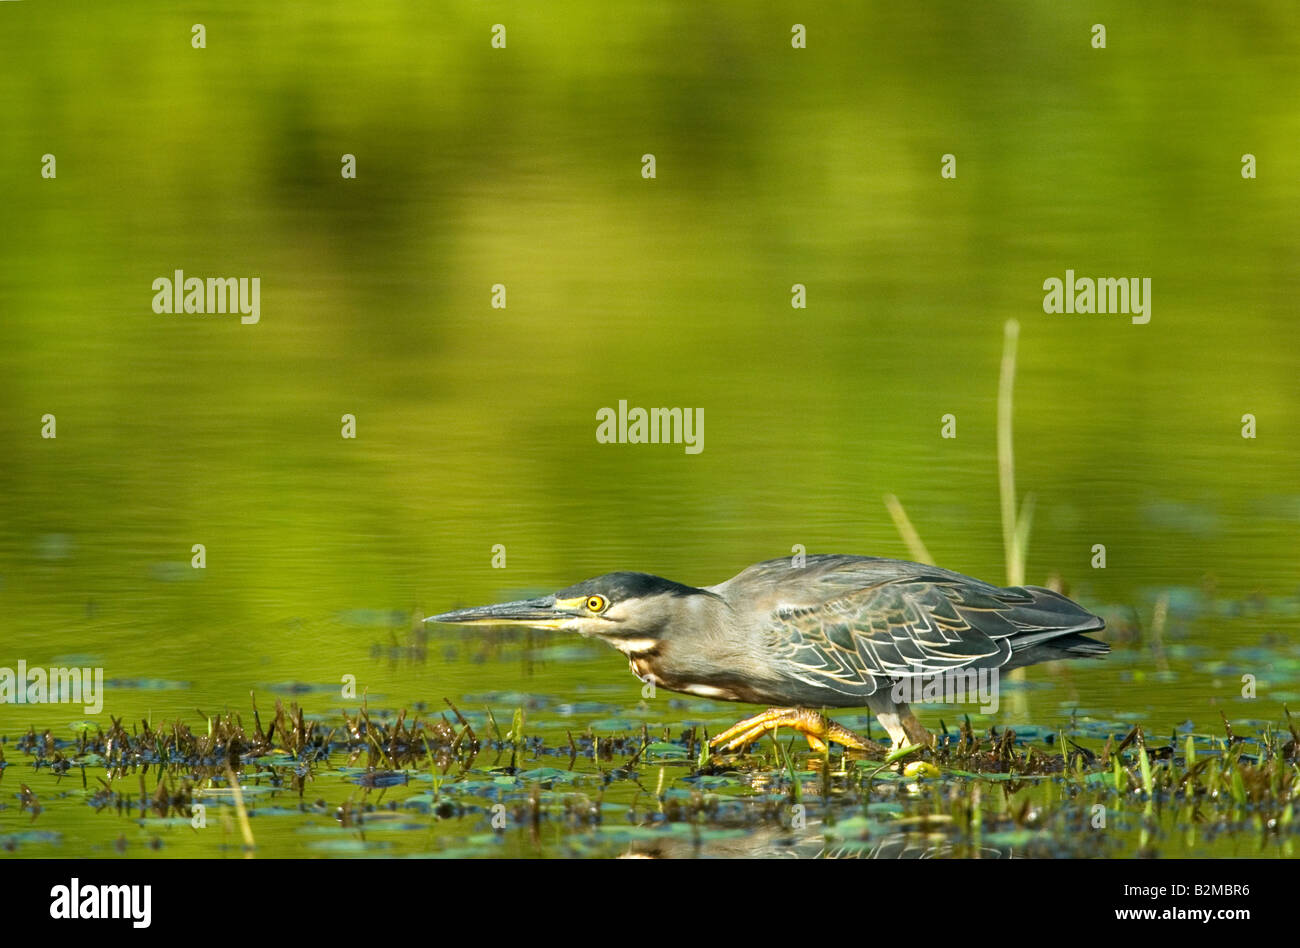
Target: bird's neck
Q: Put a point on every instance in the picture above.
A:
(699, 651)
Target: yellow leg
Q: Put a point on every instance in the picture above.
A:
(899, 722)
(815, 727)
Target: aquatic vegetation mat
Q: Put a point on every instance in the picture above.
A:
(499, 783)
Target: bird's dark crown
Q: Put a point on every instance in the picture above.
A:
(619, 586)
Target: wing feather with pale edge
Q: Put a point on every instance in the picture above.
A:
(920, 624)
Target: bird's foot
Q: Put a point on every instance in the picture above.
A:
(816, 728)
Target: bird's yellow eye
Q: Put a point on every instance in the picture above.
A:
(596, 603)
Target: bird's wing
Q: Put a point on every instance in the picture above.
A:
(899, 627)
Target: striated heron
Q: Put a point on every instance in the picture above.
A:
(834, 632)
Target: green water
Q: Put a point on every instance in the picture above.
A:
(475, 426)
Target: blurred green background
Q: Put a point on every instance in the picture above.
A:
(476, 426)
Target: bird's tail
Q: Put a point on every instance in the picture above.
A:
(1051, 627)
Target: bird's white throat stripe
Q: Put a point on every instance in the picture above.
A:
(634, 646)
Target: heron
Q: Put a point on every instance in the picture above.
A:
(811, 633)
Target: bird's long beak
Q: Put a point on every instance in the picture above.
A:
(543, 613)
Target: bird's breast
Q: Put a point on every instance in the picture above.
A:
(651, 666)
